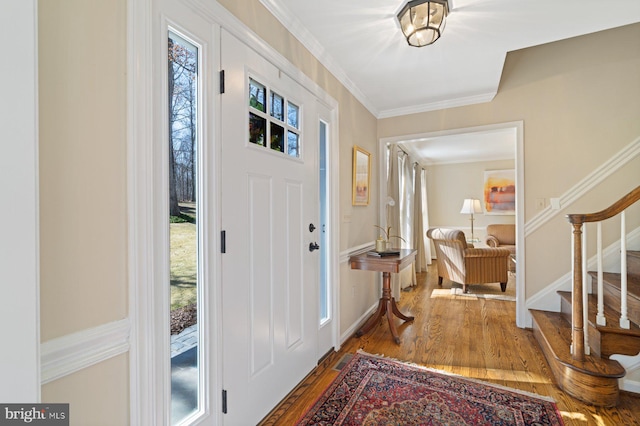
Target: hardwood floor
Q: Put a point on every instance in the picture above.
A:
(475, 338)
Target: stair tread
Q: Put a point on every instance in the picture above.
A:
(614, 279)
(611, 315)
(557, 332)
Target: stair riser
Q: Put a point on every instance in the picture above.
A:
(633, 263)
(612, 300)
(612, 343)
(565, 309)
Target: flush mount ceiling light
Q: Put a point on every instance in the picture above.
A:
(422, 21)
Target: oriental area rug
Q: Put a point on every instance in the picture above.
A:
(373, 390)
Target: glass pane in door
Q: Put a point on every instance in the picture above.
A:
(183, 86)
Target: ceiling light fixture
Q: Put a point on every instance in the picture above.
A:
(422, 21)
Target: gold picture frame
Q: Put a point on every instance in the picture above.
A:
(361, 176)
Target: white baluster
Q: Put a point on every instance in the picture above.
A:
(624, 320)
(585, 292)
(600, 319)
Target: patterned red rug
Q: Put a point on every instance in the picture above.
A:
(373, 390)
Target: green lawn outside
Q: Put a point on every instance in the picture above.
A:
(183, 264)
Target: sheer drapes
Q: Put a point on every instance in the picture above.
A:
(393, 206)
(425, 216)
(406, 213)
(420, 242)
(407, 200)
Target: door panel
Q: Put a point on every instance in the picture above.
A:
(294, 264)
(269, 197)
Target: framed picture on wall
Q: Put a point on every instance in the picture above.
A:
(361, 176)
(500, 191)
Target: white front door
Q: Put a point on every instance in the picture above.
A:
(269, 199)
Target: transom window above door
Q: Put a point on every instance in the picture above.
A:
(274, 121)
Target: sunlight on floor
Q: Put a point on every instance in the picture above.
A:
(497, 374)
(456, 293)
(576, 417)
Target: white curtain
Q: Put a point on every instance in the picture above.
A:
(393, 206)
(419, 237)
(393, 191)
(407, 276)
(425, 216)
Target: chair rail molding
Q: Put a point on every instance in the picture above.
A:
(345, 254)
(71, 353)
(612, 165)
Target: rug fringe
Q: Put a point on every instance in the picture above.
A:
(448, 373)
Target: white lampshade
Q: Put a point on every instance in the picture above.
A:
(471, 206)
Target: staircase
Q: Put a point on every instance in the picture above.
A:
(581, 366)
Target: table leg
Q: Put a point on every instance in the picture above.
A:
(397, 312)
(382, 308)
(386, 305)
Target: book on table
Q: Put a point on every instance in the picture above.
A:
(384, 253)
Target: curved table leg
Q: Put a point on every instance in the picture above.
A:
(392, 324)
(375, 318)
(397, 312)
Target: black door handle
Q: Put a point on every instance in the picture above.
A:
(313, 246)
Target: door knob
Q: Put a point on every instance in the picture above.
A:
(313, 246)
(312, 227)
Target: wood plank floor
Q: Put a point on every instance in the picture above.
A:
(475, 338)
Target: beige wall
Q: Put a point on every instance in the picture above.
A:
(83, 158)
(449, 184)
(83, 208)
(97, 396)
(579, 100)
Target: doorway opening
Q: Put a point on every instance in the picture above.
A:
(447, 140)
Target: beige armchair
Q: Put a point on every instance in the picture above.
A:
(502, 236)
(465, 264)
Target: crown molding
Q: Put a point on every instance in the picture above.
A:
(300, 32)
(437, 105)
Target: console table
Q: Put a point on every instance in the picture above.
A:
(387, 304)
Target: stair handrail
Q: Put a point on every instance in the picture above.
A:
(577, 302)
(611, 211)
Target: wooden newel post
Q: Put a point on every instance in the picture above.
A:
(577, 334)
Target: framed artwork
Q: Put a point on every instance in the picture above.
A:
(500, 191)
(361, 176)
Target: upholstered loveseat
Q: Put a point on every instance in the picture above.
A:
(465, 264)
(502, 235)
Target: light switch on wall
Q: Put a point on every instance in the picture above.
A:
(555, 203)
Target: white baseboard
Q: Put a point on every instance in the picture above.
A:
(631, 364)
(358, 323)
(67, 354)
(629, 385)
